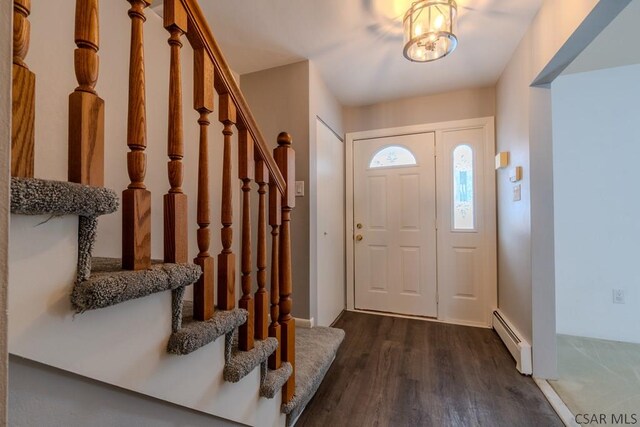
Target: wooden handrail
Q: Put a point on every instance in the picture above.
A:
(200, 36)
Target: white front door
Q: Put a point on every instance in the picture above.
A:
(395, 219)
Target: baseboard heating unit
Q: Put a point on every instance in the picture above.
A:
(518, 347)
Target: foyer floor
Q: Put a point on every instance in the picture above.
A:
(401, 372)
(599, 376)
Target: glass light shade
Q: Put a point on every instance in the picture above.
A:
(429, 30)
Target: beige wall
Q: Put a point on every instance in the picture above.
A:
(525, 228)
(458, 105)
(5, 149)
(279, 99)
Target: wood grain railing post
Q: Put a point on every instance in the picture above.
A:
(227, 259)
(203, 291)
(285, 158)
(136, 199)
(275, 219)
(23, 95)
(175, 201)
(262, 297)
(246, 173)
(86, 108)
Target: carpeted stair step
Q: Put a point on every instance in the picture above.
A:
(31, 196)
(315, 351)
(240, 363)
(109, 284)
(271, 381)
(190, 335)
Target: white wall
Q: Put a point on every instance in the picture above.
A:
(596, 150)
(6, 31)
(45, 396)
(525, 228)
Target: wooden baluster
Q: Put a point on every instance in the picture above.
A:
(262, 297)
(136, 199)
(24, 94)
(203, 291)
(246, 173)
(175, 201)
(285, 158)
(227, 259)
(86, 108)
(275, 219)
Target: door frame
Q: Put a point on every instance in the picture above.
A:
(488, 187)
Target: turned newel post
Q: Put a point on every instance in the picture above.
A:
(86, 108)
(286, 159)
(175, 201)
(226, 258)
(246, 173)
(261, 296)
(136, 199)
(24, 94)
(275, 219)
(203, 290)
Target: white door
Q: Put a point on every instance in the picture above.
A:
(467, 226)
(330, 208)
(394, 220)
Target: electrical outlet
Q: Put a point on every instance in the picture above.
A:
(618, 296)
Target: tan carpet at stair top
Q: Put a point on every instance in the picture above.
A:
(598, 376)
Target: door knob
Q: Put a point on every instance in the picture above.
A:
(359, 237)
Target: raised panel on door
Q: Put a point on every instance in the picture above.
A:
(394, 214)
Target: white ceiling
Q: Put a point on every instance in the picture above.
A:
(357, 44)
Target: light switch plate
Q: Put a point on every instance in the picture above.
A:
(299, 188)
(517, 193)
(618, 296)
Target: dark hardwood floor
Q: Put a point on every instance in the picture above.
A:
(401, 372)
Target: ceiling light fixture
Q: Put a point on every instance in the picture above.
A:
(428, 30)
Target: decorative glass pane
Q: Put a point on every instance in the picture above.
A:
(392, 156)
(463, 216)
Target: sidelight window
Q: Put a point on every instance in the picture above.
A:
(463, 191)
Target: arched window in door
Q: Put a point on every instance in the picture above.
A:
(463, 191)
(393, 155)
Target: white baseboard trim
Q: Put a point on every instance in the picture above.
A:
(305, 323)
(556, 402)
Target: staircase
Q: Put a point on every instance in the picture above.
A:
(152, 326)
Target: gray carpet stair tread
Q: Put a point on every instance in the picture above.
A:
(195, 334)
(109, 284)
(273, 380)
(32, 196)
(315, 351)
(241, 363)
